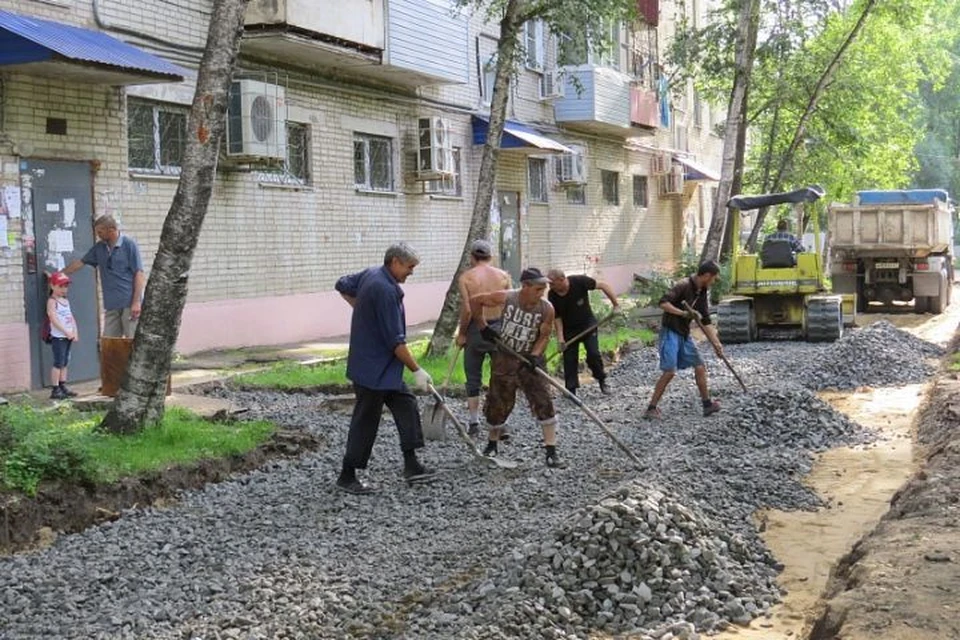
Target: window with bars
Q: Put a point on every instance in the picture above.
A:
(611, 186)
(537, 179)
(156, 137)
(576, 194)
(640, 192)
(296, 168)
(448, 185)
(372, 162)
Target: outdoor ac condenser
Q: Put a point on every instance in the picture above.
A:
(257, 121)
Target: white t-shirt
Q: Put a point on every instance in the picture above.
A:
(64, 317)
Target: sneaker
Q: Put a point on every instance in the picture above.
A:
(554, 461)
(604, 388)
(67, 392)
(57, 393)
(355, 487)
(416, 472)
(473, 430)
(652, 413)
(710, 409)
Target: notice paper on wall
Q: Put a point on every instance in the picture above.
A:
(4, 242)
(69, 212)
(60, 241)
(11, 199)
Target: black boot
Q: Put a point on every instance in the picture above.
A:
(491, 449)
(553, 458)
(67, 392)
(414, 471)
(349, 482)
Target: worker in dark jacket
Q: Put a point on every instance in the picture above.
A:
(676, 347)
(375, 363)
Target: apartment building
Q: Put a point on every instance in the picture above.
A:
(353, 123)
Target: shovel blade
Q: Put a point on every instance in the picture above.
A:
(433, 422)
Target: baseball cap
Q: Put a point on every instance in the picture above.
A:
(481, 249)
(59, 279)
(533, 275)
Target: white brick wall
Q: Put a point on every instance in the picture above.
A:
(260, 241)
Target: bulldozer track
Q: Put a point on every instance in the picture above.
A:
(824, 317)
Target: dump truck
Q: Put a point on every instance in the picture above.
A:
(893, 246)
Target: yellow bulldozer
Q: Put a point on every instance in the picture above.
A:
(781, 288)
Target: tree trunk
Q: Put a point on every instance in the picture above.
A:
(141, 398)
(798, 134)
(480, 219)
(731, 169)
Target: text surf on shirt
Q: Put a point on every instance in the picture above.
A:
(520, 329)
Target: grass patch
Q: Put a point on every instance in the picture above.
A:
(291, 376)
(954, 364)
(62, 444)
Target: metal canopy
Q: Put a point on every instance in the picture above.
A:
(54, 48)
(518, 137)
(749, 203)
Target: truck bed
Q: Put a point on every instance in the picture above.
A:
(892, 229)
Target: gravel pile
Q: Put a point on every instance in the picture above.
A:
(279, 554)
(633, 560)
(878, 355)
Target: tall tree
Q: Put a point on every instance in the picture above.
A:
(585, 18)
(734, 135)
(140, 401)
(800, 130)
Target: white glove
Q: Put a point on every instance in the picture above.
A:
(422, 379)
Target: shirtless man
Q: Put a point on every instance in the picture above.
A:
(525, 327)
(481, 277)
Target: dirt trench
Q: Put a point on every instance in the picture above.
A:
(880, 561)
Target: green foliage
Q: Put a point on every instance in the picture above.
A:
(63, 444)
(662, 280)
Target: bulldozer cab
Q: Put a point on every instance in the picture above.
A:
(780, 287)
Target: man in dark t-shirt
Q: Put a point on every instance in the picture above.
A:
(570, 297)
(676, 347)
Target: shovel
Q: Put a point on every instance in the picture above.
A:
(434, 417)
(567, 343)
(441, 403)
(572, 397)
(736, 375)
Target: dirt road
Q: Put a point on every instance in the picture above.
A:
(889, 587)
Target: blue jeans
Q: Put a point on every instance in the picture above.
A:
(677, 352)
(61, 352)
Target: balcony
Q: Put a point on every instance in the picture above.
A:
(598, 100)
(405, 42)
(644, 110)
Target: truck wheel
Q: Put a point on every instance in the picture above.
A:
(939, 302)
(921, 304)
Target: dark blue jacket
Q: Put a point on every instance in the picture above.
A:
(378, 325)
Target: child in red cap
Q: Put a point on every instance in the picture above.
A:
(63, 332)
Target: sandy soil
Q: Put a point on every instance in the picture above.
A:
(858, 485)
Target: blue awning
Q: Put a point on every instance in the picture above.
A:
(45, 45)
(518, 137)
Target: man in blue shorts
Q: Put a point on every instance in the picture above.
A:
(677, 349)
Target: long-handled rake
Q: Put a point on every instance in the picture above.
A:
(500, 462)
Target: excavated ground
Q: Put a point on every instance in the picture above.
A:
(600, 549)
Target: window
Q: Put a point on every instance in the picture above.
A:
(488, 79)
(451, 185)
(533, 44)
(611, 187)
(372, 162)
(298, 152)
(640, 193)
(576, 194)
(537, 173)
(156, 137)
(610, 55)
(572, 50)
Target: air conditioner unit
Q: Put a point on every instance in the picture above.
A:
(660, 164)
(434, 149)
(257, 121)
(570, 168)
(551, 85)
(671, 184)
